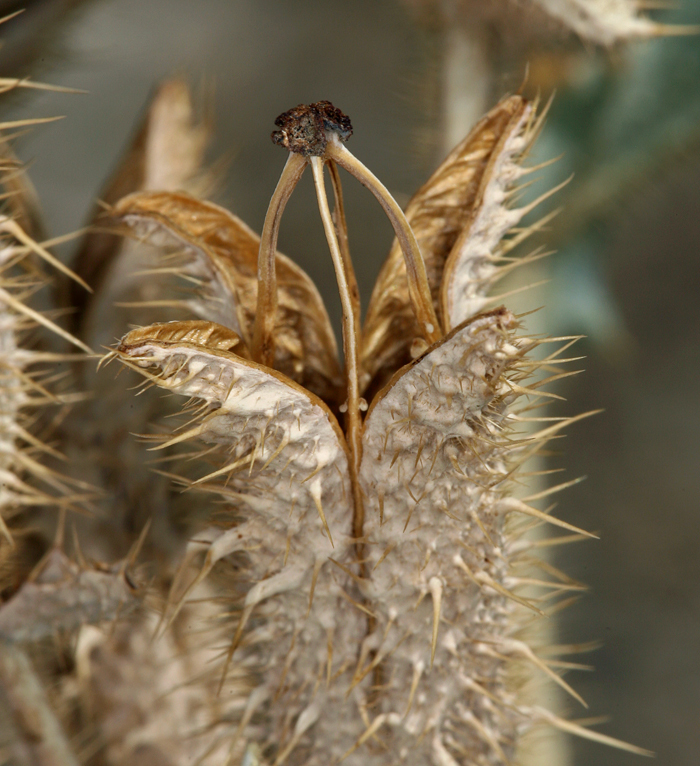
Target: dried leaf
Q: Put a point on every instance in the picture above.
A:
(220, 252)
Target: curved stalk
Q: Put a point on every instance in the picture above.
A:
(351, 334)
(341, 228)
(418, 287)
(263, 347)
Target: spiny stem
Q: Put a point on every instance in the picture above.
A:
(419, 289)
(263, 347)
(351, 335)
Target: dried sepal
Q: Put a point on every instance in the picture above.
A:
(219, 251)
(285, 476)
(475, 263)
(438, 214)
(167, 153)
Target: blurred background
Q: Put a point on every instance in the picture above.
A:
(414, 76)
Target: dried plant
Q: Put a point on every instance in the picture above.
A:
(598, 22)
(348, 575)
(381, 584)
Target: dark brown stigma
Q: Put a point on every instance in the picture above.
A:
(304, 129)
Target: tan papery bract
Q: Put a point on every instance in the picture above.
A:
(438, 214)
(220, 251)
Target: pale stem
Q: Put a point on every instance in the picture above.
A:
(418, 287)
(266, 310)
(341, 228)
(351, 326)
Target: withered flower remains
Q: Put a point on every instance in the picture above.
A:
(384, 581)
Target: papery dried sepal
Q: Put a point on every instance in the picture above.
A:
(221, 252)
(285, 472)
(438, 213)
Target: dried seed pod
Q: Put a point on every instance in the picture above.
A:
(167, 152)
(413, 625)
(155, 702)
(435, 466)
(62, 596)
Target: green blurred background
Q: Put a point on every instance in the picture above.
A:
(625, 274)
